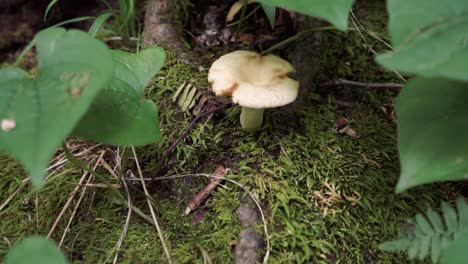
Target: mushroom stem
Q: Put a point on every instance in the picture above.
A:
(251, 119)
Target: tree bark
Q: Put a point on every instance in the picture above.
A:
(160, 25)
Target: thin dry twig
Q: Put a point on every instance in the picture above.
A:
(361, 84)
(57, 163)
(251, 195)
(127, 222)
(7, 201)
(96, 185)
(129, 212)
(83, 192)
(359, 27)
(149, 200)
(69, 201)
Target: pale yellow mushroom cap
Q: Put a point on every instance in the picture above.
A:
(253, 80)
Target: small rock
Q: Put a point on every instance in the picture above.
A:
(247, 216)
(248, 247)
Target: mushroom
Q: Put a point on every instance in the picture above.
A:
(255, 82)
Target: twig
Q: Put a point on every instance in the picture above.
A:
(360, 84)
(265, 228)
(358, 27)
(203, 194)
(60, 162)
(186, 131)
(148, 199)
(96, 185)
(4, 204)
(127, 222)
(67, 204)
(70, 199)
(83, 192)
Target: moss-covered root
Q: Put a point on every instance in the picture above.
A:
(251, 119)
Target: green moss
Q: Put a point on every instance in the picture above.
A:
(297, 166)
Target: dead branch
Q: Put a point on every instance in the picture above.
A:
(361, 84)
(203, 194)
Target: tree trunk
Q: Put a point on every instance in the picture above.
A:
(161, 26)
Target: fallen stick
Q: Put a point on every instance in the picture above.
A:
(96, 185)
(203, 194)
(360, 84)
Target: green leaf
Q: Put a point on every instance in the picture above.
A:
(395, 245)
(422, 223)
(450, 217)
(34, 250)
(98, 22)
(73, 68)
(436, 248)
(270, 11)
(119, 115)
(432, 127)
(413, 249)
(462, 208)
(424, 247)
(456, 252)
(429, 38)
(435, 220)
(336, 11)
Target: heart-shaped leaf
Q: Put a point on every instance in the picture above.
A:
(35, 250)
(429, 38)
(119, 115)
(38, 113)
(432, 125)
(335, 11)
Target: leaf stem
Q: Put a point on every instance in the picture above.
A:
(296, 37)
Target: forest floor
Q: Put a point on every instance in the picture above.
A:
(327, 197)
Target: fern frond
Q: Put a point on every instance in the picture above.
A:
(431, 234)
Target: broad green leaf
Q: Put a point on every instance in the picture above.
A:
(429, 38)
(73, 68)
(120, 115)
(270, 11)
(456, 252)
(336, 11)
(432, 125)
(450, 217)
(35, 250)
(435, 220)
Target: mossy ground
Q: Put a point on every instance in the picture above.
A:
(328, 198)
